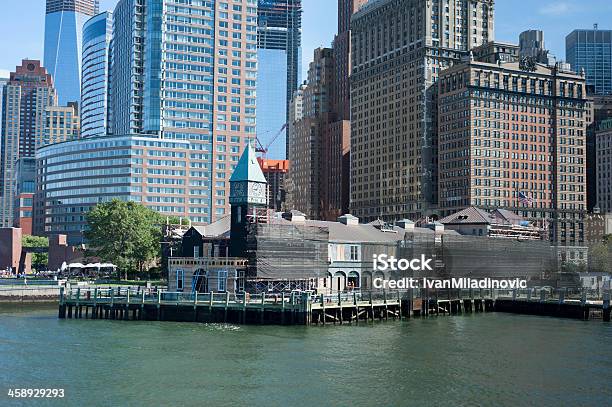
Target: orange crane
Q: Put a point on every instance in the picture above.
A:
(264, 150)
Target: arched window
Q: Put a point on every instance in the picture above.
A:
(353, 280)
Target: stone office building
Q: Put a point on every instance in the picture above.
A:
(399, 48)
(513, 136)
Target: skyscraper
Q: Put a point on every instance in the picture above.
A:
(591, 50)
(27, 95)
(279, 37)
(97, 35)
(188, 72)
(305, 160)
(399, 48)
(336, 146)
(532, 45)
(63, 40)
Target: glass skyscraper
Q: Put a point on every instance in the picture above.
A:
(591, 50)
(188, 71)
(97, 35)
(63, 39)
(279, 37)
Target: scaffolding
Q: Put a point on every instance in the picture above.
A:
(287, 252)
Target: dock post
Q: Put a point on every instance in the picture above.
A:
(356, 307)
(159, 305)
(263, 307)
(283, 308)
(227, 298)
(606, 306)
(142, 301)
(211, 299)
(562, 296)
(340, 305)
(78, 304)
(323, 308)
(386, 307)
(244, 307)
(62, 306)
(94, 313)
(371, 306)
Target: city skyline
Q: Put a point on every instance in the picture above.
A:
(556, 18)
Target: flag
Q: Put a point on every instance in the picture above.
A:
(525, 200)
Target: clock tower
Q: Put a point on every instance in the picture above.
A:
(248, 199)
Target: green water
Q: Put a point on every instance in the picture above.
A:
(486, 359)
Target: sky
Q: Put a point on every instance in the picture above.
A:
(22, 28)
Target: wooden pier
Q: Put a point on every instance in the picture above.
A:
(305, 308)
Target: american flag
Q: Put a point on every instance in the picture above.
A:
(525, 200)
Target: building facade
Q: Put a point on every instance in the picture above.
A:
(275, 172)
(27, 95)
(604, 166)
(601, 110)
(74, 176)
(279, 55)
(514, 137)
(306, 144)
(591, 50)
(399, 48)
(24, 186)
(336, 154)
(64, 22)
(532, 45)
(188, 72)
(97, 35)
(62, 123)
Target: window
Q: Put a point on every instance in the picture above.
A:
(354, 253)
(180, 280)
(222, 281)
(196, 252)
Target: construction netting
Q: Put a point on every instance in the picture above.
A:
(289, 252)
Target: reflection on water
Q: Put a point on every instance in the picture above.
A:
(486, 359)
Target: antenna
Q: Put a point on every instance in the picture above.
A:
(595, 26)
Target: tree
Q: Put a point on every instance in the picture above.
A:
(38, 259)
(127, 234)
(601, 256)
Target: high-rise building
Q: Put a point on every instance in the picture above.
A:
(513, 136)
(188, 72)
(74, 176)
(604, 166)
(335, 177)
(24, 187)
(600, 110)
(97, 35)
(63, 40)
(532, 45)
(305, 159)
(495, 51)
(591, 50)
(279, 37)
(398, 49)
(62, 123)
(27, 95)
(275, 172)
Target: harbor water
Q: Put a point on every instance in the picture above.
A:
(479, 359)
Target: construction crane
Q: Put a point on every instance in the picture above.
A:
(264, 150)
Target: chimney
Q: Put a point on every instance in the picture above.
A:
(405, 224)
(348, 220)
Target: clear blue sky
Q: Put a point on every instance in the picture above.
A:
(22, 24)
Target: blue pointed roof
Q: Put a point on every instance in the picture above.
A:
(248, 168)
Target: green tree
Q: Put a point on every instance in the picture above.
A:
(127, 234)
(38, 259)
(601, 256)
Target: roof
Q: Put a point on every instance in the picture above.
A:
(506, 216)
(248, 168)
(471, 215)
(215, 229)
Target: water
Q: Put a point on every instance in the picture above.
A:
(485, 359)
